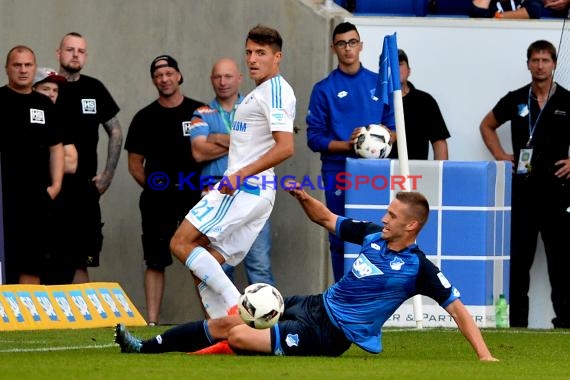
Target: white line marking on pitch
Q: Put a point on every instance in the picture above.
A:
(64, 348)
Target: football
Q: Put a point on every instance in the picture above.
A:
(373, 142)
(260, 305)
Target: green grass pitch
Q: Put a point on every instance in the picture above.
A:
(408, 354)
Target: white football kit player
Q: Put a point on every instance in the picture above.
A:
(232, 222)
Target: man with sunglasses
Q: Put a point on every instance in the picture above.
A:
(339, 104)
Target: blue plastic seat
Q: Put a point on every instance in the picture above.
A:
(452, 7)
(388, 7)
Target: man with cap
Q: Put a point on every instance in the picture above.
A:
(161, 162)
(87, 104)
(47, 82)
(31, 166)
(59, 267)
(424, 122)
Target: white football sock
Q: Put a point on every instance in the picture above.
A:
(214, 305)
(204, 266)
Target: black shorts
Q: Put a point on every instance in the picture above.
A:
(305, 329)
(80, 213)
(28, 234)
(161, 213)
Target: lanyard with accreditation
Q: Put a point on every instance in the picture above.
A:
(523, 166)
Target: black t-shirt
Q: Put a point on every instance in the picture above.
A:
(551, 137)
(62, 120)
(26, 135)
(424, 124)
(162, 136)
(87, 104)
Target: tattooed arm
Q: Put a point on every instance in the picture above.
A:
(113, 129)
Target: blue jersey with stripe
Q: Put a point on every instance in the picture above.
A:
(379, 282)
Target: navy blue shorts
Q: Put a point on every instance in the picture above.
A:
(305, 329)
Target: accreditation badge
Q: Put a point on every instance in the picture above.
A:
(523, 166)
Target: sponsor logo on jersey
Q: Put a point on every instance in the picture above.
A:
(396, 263)
(37, 116)
(342, 94)
(292, 340)
(186, 128)
(362, 267)
(239, 126)
(277, 117)
(375, 246)
(89, 106)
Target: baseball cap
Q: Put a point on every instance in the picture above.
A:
(45, 74)
(164, 61)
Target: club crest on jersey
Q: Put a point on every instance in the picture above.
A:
(397, 263)
(373, 94)
(186, 127)
(292, 340)
(89, 106)
(37, 116)
(375, 246)
(362, 267)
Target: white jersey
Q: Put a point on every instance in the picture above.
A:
(270, 107)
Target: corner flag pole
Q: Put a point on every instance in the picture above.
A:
(389, 84)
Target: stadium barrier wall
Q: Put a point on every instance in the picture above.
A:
(467, 234)
(37, 307)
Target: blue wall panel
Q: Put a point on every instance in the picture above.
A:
(468, 230)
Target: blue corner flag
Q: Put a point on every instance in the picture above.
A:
(389, 71)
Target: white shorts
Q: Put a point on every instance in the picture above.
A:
(232, 222)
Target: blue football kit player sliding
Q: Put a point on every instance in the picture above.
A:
(389, 269)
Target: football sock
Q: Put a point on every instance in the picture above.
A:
(204, 266)
(214, 305)
(187, 337)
